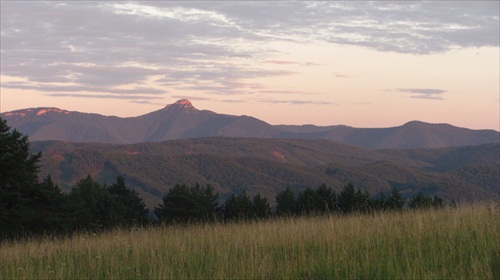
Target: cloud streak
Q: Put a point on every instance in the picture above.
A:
(424, 93)
(215, 47)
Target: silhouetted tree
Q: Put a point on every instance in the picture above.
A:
(420, 201)
(307, 201)
(92, 204)
(437, 202)
(18, 178)
(128, 208)
(347, 199)
(51, 209)
(395, 201)
(378, 203)
(261, 206)
(239, 207)
(286, 203)
(326, 199)
(188, 204)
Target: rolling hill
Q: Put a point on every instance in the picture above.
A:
(267, 166)
(182, 120)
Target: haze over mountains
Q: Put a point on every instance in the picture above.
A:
(182, 120)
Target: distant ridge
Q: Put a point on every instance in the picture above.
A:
(181, 120)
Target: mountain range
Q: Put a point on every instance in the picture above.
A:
(180, 144)
(181, 120)
(267, 166)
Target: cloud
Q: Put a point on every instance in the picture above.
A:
(287, 92)
(191, 97)
(215, 47)
(147, 102)
(102, 96)
(219, 79)
(296, 102)
(340, 76)
(79, 88)
(424, 93)
(281, 62)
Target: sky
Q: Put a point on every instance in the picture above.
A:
(358, 63)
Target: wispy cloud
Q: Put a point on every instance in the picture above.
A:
(296, 102)
(81, 88)
(99, 47)
(102, 96)
(281, 62)
(424, 93)
(190, 97)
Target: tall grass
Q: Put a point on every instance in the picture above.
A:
(461, 243)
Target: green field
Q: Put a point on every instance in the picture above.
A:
(453, 243)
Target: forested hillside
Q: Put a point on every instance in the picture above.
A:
(267, 166)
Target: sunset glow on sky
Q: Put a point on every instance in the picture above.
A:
(363, 64)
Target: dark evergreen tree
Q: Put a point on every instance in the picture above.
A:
(18, 178)
(351, 200)
(207, 204)
(178, 206)
(420, 201)
(347, 199)
(230, 208)
(92, 204)
(239, 207)
(307, 201)
(395, 201)
(437, 202)
(378, 203)
(362, 201)
(51, 209)
(184, 204)
(286, 203)
(327, 199)
(261, 206)
(128, 208)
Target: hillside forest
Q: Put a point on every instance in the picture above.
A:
(30, 206)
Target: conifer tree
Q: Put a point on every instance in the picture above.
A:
(261, 206)
(184, 204)
(307, 201)
(128, 209)
(286, 203)
(395, 201)
(18, 178)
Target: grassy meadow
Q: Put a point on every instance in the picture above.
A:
(457, 243)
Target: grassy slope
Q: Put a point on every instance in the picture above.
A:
(458, 243)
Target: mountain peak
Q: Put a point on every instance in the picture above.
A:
(181, 104)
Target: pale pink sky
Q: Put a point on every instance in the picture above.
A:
(364, 64)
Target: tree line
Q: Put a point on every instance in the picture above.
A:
(30, 207)
(183, 204)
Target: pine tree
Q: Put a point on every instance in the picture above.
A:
(239, 207)
(18, 178)
(395, 201)
(184, 204)
(261, 206)
(347, 199)
(286, 203)
(307, 201)
(92, 204)
(327, 199)
(128, 208)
